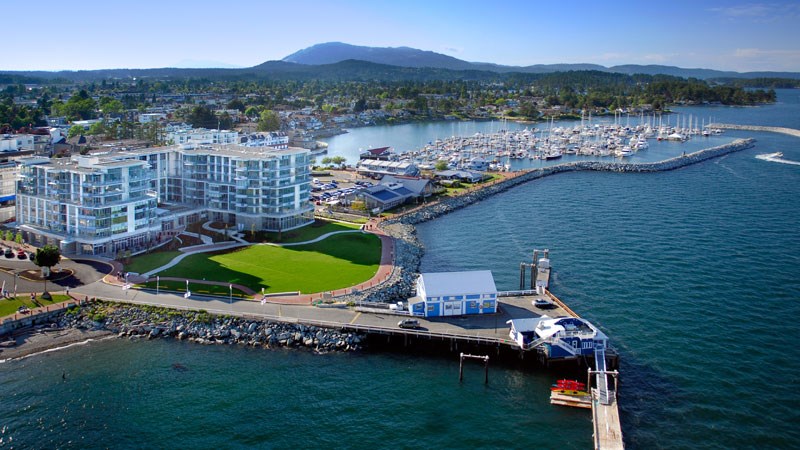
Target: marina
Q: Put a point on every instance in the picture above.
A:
(507, 149)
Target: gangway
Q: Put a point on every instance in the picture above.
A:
(601, 378)
(605, 414)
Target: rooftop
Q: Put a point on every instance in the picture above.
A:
(458, 283)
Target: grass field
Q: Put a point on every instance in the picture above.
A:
(339, 261)
(9, 306)
(145, 263)
(307, 233)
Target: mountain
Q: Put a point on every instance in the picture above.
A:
(334, 52)
(335, 61)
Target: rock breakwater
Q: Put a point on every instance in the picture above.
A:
(137, 322)
(409, 249)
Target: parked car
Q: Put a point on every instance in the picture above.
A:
(408, 323)
(543, 304)
(9, 253)
(21, 254)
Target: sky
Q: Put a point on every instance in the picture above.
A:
(714, 34)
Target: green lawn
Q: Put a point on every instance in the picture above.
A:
(9, 306)
(147, 262)
(339, 261)
(306, 233)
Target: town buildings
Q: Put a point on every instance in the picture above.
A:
(132, 200)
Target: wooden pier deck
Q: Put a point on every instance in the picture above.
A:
(607, 428)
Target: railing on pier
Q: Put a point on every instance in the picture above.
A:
(563, 305)
(516, 293)
(605, 395)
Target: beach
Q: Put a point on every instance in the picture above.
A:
(31, 341)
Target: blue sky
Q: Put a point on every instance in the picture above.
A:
(724, 35)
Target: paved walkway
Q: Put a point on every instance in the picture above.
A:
(384, 270)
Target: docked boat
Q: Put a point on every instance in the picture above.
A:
(553, 155)
(624, 151)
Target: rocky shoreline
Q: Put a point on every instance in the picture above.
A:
(145, 322)
(409, 249)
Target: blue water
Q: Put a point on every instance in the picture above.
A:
(692, 274)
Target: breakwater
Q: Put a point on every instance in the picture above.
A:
(409, 250)
(201, 327)
(782, 130)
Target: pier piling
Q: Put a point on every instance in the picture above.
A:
(485, 360)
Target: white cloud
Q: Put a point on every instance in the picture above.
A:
(760, 12)
(767, 59)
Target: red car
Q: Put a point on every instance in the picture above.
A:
(21, 254)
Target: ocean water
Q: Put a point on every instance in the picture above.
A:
(692, 273)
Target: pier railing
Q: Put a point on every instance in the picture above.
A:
(516, 293)
(563, 305)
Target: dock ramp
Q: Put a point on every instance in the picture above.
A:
(605, 413)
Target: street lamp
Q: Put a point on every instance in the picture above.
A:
(230, 294)
(187, 294)
(16, 276)
(158, 279)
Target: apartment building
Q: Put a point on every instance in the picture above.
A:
(131, 200)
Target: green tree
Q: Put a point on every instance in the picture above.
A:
(236, 104)
(18, 238)
(252, 111)
(360, 105)
(80, 106)
(269, 121)
(203, 117)
(111, 105)
(441, 165)
(47, 257)
(339, 160)
(75, 130)
(97, 128)
(225, 121)
(9, 235)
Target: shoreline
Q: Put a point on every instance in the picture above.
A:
(35, 341)
(408, 253)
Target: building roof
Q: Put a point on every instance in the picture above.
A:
(526, 324)
(415, 185)
(377, 151)
(458, 283)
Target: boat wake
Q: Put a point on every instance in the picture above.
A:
(776, 157)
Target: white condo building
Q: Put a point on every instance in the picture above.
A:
(131, 200)
(188, 135)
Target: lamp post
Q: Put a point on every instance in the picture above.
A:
(16, 275)
(158, 279)
(230, 294)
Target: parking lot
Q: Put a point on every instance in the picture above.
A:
(330, 190)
